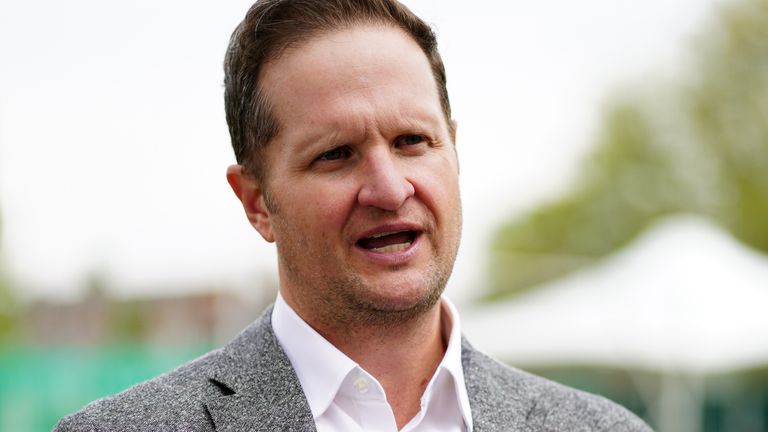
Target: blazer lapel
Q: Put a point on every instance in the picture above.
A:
(260, 389)
(498, 401)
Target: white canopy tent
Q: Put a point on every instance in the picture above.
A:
(685, 298)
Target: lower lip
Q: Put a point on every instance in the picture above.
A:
(392, 258)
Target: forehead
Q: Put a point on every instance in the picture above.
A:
(364, 71)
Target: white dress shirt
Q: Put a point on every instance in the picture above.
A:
(344, 397)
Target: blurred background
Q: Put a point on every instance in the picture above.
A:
(614, 170)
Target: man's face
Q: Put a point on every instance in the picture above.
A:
(362, 177)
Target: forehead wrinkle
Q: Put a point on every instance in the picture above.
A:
(375, 112)
(386, 123)
(353, 119)
(322, 132)
(364, 121)
(410, 119)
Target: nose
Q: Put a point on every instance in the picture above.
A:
(384, 184)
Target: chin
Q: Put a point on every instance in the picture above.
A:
(402, 297)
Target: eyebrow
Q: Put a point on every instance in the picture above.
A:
(316, 140)
(413, 117)
(339, 133)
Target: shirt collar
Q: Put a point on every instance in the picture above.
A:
(452, 360)
(321, 368)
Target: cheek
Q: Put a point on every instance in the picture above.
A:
(322, 206)
(437, 185)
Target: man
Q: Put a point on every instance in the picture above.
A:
(342, 130)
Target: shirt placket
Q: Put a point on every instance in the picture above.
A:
(365, 397)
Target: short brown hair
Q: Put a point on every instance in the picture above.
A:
(269, 28)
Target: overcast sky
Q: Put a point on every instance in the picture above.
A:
(113, 143)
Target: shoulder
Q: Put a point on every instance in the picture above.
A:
(506, 395)
(194, 395)
(172, 401)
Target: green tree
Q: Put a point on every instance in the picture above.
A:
(728, 111)
(707, 152)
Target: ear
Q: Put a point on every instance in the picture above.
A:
(250, 194)
(454, 126)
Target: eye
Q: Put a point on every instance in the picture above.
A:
(409, 140)
(335, 154)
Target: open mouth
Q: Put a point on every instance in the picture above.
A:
(388, 242)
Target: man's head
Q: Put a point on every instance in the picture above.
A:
(361, 173)
(273, 26)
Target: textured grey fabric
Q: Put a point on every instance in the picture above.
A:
(249, 385)
(507, 399)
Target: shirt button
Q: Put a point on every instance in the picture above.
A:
(361, 385)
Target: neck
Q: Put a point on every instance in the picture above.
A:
(376, 347)
(382, 352)
(383, 347)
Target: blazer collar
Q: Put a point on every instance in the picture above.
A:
(499, 400)
(260, 389)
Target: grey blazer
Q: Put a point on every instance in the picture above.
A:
(250, 385)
